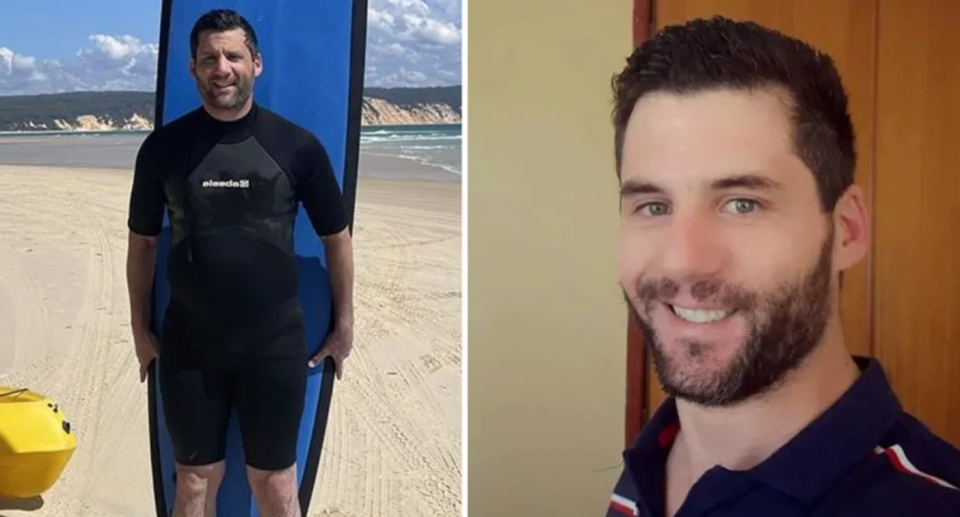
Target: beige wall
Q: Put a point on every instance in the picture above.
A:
(546, 321)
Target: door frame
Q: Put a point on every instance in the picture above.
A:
(637, 401)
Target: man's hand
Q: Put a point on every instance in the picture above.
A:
(339, 248)
(146, 345)
(337, 346)
(141, 260)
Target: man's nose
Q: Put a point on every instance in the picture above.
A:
(693, 249)
(223, 65)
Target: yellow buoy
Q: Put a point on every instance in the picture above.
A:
(36, 443)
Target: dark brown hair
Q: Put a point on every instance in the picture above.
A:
(221, 20)
(718, 52)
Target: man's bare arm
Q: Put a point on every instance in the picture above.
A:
(339, 250)
(141, 261)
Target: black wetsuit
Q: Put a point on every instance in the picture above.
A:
(233, 333)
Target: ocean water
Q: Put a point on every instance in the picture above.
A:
(430, 145)
(435, 148)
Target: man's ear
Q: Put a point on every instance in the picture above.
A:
(852, 222)
(193, 69)
(257, 65)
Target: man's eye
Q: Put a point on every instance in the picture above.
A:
(742, 206)
(653, 209)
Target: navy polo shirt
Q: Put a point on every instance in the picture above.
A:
(864, 456)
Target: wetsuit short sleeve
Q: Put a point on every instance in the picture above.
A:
(147, 200)
(318, 190)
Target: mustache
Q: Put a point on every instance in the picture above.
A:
(734, 296)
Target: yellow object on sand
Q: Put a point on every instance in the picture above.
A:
(36, 443)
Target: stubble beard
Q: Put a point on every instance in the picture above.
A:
(784, 327)
(243, 89)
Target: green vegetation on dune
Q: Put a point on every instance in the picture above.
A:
(410, 97)
(18, 111)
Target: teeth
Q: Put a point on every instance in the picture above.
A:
(695, 316)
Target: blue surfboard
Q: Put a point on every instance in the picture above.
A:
(313, 75)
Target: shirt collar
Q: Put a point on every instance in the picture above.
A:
(845, 434)
(808, 465)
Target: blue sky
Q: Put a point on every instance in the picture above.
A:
(69, 45)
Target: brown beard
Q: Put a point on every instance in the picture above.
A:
(785, 326)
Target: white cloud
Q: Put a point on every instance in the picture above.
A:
(111, 63)
(409, 43)
(413, 43)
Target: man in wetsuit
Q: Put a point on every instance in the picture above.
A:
(232, 174)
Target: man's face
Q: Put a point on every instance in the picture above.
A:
(224, 69)
(726, 260)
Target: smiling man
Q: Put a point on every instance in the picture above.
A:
(232, 174)
(736, 159)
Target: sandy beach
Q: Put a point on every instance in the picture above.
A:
(394, 439)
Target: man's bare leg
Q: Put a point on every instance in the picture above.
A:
(275, 491)
(197, 490)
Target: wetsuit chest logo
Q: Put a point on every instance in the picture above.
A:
(218, 184)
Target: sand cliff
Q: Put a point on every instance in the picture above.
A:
(378, 112)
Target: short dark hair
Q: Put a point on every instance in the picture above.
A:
(221, 20)
(717, 53)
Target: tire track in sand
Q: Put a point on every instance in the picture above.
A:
(339, 456)
(402, 448)
(105, 407)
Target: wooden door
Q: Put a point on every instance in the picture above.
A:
(917, 266)
(899, 68)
